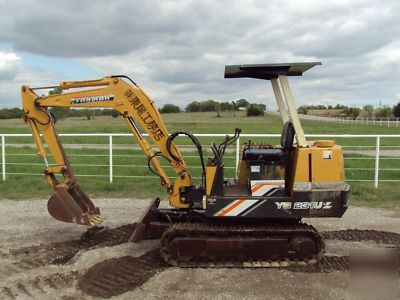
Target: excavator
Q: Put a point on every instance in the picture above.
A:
(253, 220)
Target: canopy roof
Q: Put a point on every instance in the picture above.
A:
(268, 71)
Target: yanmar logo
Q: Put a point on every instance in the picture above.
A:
(92, 99)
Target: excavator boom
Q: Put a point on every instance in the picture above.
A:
(70, 203)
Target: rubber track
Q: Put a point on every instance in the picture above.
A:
(209, 230)
(118, 275)
(61, 253)
(37, 286)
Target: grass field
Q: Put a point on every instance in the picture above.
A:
(128, 162)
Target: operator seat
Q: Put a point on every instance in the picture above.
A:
(277, 154)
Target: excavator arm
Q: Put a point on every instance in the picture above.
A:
(69, 203)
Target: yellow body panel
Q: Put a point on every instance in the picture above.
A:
(210, 176)
(318, 164)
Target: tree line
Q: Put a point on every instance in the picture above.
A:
(252, 109)
(354, 112)
(60, 113)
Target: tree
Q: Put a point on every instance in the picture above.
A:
(352, 112)
(396, 110)
(90, 113)
(209, 105)
(170, 108)
(226, 106)
(369, 109)
(193, 107)
(262, 106)
(55, 91)
(242, 103)
(60, 113)
(383, 112)
(234, 106)
(340, 106)
(10, 113)
(303, 109)
(255, 110)
(115, 113)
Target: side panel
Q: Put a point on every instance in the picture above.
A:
(327, 164)
(317, 164)
(210, 177)
(307, 204)
(302, 164)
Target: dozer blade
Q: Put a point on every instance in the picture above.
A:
(72, 205)
(146, 227)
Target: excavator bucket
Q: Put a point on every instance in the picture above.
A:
(72, 205)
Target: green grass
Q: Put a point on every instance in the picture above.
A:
(129, 162)
(386, 196)
(202, 123)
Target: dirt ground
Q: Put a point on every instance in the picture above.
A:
(41, 258)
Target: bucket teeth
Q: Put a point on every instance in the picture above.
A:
(95, 220)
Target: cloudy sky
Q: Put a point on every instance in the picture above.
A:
(177, 50)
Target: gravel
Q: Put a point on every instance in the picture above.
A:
(27, 223)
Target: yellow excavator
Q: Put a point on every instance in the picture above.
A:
(252, 220)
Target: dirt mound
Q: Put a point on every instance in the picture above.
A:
(118, 275)
(61, 253)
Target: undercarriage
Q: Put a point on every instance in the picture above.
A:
(190, 239)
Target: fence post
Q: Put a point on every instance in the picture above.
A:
(3, 156)
(111, 157)
(237, 154)
(377, 150)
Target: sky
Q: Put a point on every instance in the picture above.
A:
(177, 50)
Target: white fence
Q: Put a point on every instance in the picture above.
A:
(374, 154)
(384, 121)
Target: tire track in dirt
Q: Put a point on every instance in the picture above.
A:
(116, 276)
(61, 253)
(38, 286)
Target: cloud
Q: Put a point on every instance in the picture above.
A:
(13, 74)
(10, 65)
(177, 50)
